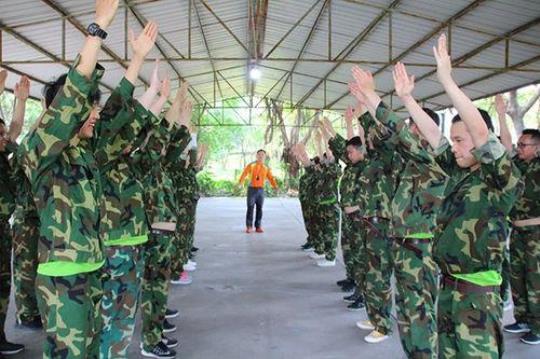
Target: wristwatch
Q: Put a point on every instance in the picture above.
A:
(94, 30)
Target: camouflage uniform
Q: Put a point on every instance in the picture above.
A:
(352, 243)
(124, 226)
(415, 206)
(184, 195)
(7, 206)
(160, 207)
(326, 210)
(305, 196)
(525, 249)
(468, 247)
(67, 192)
(378, 183)
(25, 231)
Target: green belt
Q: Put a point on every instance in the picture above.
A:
(127, 241)
(420, 235)
(63, 269)
(484, 279)
(332, 200)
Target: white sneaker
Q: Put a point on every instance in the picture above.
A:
(326, 263)
(314, 255)
(192, 262)
(375, 337)
(189, 267)
(365, 325)
(309, 250)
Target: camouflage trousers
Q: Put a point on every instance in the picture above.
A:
(350, 240)
(155, 285)
(123, 274)
(307, 215)
(183, 238)
(326, 227)
(5, 272)
(378, 288)
(357, 251)
(416, 291)
(469, 324)
(525, 280)
(70, 310)
(192, 215)
(25, 262)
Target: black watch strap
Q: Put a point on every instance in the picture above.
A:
(94, 30)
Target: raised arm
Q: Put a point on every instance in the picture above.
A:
(349, 117)
(469, 114)
(404, 85)
(140, 46)
(506, 137)
(22, 91)
(165, 91)
(147, 99)
(3, 78)
(105, 12)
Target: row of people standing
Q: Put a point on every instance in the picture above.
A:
(436, 217)
(105, 207)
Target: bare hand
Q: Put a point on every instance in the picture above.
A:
(105, 12)
(403, 83)
(349, 210)
(349, 114)
(154, 80)
(165, 90)
(181, 95)
(185, 113)
(444, 63)
(500, 105)
(22, 89)
(142, 45)
(357, 93)
(364, 79)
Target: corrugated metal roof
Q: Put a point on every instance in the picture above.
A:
(32, 32)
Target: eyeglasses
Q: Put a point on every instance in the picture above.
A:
(523, 145)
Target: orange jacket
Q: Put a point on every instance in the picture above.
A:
(259, 173)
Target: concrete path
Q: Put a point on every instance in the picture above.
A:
(259, 296)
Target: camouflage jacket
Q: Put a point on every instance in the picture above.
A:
(528, 204)
(326, 183)
(305, 185)
(349, 185)
(471, 231)
(7, 185)
(25, 207)
(124, 220)
(150, 166)
(422, 183)
(65, 178)
(177, 170)
(380, 176)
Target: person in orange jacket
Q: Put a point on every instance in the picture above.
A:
(258, 173)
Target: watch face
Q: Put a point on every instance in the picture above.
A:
(92, 28)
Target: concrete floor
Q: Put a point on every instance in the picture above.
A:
(259, 296)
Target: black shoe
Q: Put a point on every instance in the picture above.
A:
(530, 338)
(7, 348)
(357, 305)
(34, 323)
(168, 327)
(160, 350)
(194, 249)
(351, 298)
(517, 328)
(343, 282)
(171, 313)
(169, 342)
(348, 288)
(305, 246)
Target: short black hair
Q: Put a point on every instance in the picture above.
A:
(355, 142)
(2, 122)
(433, 115)
(533, 132)
(261, 150)
(317, 160)
(51, 89)
(485, 116)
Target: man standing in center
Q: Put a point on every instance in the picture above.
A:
(258, 173)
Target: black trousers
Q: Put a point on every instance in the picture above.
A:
(255, 197)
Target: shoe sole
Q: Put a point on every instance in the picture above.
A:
(146, 354)
(530, 343)
(170, 316)
(518, 331)
(355, 309)
(11, 352)
(364, 328)
(170, 346)
(170, 330)
(349, 301)
(376, 341)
